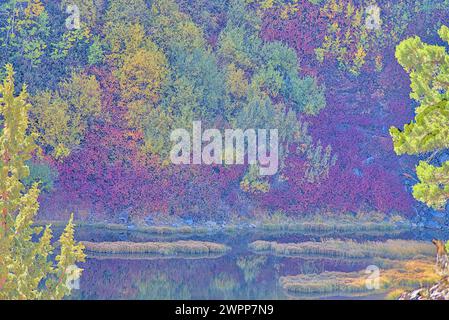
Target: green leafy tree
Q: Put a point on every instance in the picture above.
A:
(124, 29)
(61, 117)
(26, 268)
(25, 31)
(141, 78)
(95, 54)
(72, 40)
(428, 66)
(174, 30)
(41, 172)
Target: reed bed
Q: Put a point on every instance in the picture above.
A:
(326, 282)
(391, 249)
(157, 230)
(406, 274)
(277, 222)
(149, 256)
(331, 227)
(329, 223)
(161, 248)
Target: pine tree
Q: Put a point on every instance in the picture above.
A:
(428, 66)
(26, 268)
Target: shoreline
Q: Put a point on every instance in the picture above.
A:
(305, 226)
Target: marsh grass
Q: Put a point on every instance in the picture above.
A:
(331, 295)
(405, 274)
(251, 266)
(152, 256)
(161, 248)
(277, 222)
(329, 227)
(224, 282)
(156, 230)
(330, 223)
(325, 282)
(394, 294)
(391, 249)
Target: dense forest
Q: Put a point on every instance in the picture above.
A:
(109, 80)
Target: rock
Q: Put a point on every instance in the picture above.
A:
(131, 226)
(418, 294)
(443, 158)
(369, 160)
(357, 172)
(123, 219)
(124, 216)
(148, 220)
(431, 224)
(188, 221)
(438, 214)
(439, 291)
(211, 224)
(352, 213)
(439, 217)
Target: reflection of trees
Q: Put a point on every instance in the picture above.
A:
(153, 279)
(228, 277)
(225, 285)
(251, 266)
(160, 287)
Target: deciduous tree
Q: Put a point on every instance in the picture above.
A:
(26, 267)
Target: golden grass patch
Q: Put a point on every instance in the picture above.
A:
(405, 274)
(162, 248)
(391, 249)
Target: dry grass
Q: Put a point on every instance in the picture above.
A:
(330, 227)
(391, 249)
(394, 294)
(331, 223)
(161, 248)
(151, 256)
(320, 223)
(409, 274)
(325, 282)
(157, 230)
(406, 274)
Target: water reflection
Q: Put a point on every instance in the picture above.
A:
(239, 274)
(233, 276)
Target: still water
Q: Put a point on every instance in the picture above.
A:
(238, 274)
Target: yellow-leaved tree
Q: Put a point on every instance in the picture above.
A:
(27, 270)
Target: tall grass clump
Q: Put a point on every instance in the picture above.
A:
(327, 222)
(405, 274)
(161, 248)
(390, 249)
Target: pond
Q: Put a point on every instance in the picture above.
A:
(238, 274)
